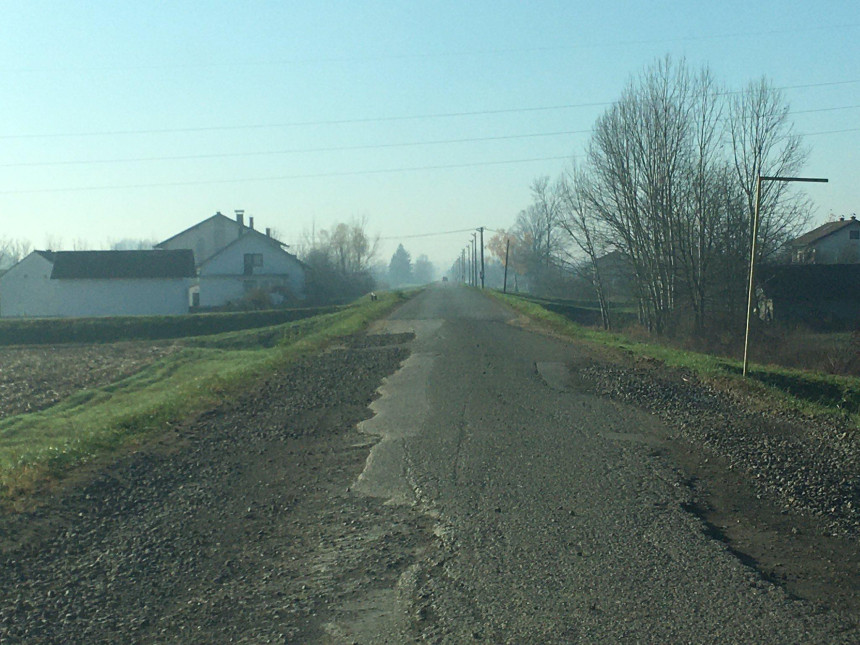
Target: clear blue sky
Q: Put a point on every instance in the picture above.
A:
(297, 112)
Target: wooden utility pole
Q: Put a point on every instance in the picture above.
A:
(474, 266)
(482, 256)
(507, 248)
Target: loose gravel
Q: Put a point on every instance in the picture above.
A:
(236, 527)
(806, 466)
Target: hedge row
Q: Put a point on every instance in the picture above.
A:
(103, 330)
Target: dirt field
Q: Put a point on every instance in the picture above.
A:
(36, 377)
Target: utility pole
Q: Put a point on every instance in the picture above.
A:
(751, 291)
(474, 266)
(482, 256)
(469, 264)
(507, 248)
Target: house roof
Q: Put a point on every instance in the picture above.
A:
(70, 265)
(822, 231)
(231, 222)
(218, 215)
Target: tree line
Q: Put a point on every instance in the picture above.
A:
(668, 184)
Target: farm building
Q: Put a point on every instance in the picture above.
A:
(97, 283)
(832, 243)
(234, 260)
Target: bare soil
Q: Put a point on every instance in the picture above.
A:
(36, 377)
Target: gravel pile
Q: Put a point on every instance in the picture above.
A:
(806, 466)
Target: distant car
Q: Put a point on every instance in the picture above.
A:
(444, 278)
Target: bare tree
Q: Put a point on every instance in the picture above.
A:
(764, 143)
(580, 223)
(637, 153)
(13, 251)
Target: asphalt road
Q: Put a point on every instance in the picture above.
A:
(555, 518)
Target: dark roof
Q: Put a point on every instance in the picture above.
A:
(822, 231)
(121, 264)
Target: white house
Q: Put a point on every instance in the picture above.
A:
(97, 283)
(233, 260)
(831, 243)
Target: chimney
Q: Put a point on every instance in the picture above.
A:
(841, 218)
(251, 223)
(268, 232)
(240, 217)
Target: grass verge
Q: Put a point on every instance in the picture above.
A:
(43, 447)
(813, 394)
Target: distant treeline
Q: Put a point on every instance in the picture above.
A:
(44, 331)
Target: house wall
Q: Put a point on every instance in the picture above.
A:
(138, 297)
(27, 291)
(206, 239)
(838, 247)
(223, 278)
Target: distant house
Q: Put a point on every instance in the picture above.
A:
(97, 283)
(234, 260)
(832, 243)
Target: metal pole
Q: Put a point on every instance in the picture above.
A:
(750, 292)
(507, 248)
(482, 256)
(752, 273)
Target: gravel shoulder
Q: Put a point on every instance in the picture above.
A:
(236, 527)
(780, 490)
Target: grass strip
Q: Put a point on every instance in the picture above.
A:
(811, 393)
(44, 446)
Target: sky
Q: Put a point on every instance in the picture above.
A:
(135, 120)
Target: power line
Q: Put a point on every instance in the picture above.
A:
(350, 173)
(372, 146)
(378, 119)
(339, 60)
(291, 124)
(409, 237)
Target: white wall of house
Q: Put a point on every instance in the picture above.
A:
(121, 297)
(205, 239)
(839, 247)
(27, 291)
(26, 288)
(223, 278)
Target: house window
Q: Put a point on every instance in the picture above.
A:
(252, 260)
(854, 235)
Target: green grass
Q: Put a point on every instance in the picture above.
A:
(810, 393)
(47, 445)
(115, 328)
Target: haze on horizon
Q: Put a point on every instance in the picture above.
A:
(136, 121)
